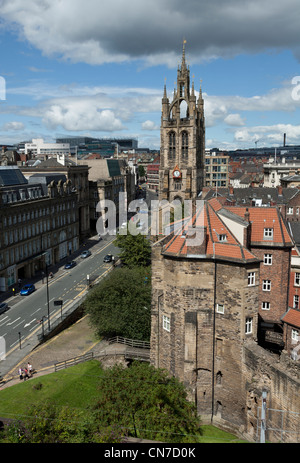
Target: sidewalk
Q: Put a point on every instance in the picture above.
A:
(75, 341)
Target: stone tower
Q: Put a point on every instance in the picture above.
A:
(181, 174)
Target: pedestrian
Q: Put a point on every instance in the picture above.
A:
(29, 368)
(25, 374)
(20, 373)
(19, 282)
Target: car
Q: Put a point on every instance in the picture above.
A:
(85, 254)
(70, 264)
(27, 289)
(3, 307)
(108, 258)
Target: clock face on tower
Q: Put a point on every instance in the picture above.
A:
(176, 173)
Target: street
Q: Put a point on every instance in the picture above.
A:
(27, 313)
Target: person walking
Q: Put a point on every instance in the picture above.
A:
(20, 373)
(25, 376)
(29, 368)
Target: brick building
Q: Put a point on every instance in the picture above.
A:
(212, 296)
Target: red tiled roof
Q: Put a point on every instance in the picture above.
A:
(292, 317)
(267, 217)
(207, 219)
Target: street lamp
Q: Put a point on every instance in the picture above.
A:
(46, 265)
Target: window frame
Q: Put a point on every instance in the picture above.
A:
(166, 323)
(265, 303)
(248, 325)
(220, 309)
(268, 259)
(251, 278)
(266, 285)
(268, 233)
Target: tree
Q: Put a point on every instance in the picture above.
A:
(141, 171)
(135, 249)
(46, 424)
(147, 403)
(120, 304)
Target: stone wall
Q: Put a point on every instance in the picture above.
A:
(279, 376)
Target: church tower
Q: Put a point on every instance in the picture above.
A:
(181, 173)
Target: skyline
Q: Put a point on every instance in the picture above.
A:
(76, 68)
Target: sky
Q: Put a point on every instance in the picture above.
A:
(98, 68)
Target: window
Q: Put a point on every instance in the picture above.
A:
(248, 326)
(265, 305)
(184, 144)
(290, 210)
(251, 279)
(172, 146)
(268, 233)
(268, 259)
(297, 279)
(296, 302)
(294, 335)
(223, 237)
(266, 286)
(220, 308)
(166, 323)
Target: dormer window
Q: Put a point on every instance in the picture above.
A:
(223, 237)
(268, 233)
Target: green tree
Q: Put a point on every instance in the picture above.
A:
(120, 304)
(147, 403)
(135, 249)
(141, 171)
(47, 424)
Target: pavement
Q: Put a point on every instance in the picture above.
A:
(74, 341)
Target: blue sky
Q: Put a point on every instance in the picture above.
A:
(98, 68)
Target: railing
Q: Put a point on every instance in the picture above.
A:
(130, 342)
(74, 361)
(127, 354)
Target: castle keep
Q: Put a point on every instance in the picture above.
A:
(220, 294)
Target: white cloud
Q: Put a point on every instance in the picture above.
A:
(149, 125)
(268, 134)
(13, 126)
(234, 120)
(97, 32)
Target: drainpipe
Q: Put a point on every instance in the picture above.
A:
(213, 346)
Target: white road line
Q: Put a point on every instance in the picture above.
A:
(40, 308)
(20, 323)
(8, 324)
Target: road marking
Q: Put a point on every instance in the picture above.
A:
(28, 324)
(8, 324)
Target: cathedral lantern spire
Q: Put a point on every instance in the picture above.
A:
(182, 140)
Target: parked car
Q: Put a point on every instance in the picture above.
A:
(27, 289)
(3, 307)
(85, 254)
(108, 258)
(70, 264)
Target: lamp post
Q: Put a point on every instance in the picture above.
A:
(47, 296)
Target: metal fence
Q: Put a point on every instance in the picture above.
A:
(130, 342)
(74, 361)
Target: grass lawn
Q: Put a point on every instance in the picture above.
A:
(74, 387)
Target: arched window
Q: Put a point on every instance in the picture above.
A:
(184, 109)
(172, 145)
(184, 144)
